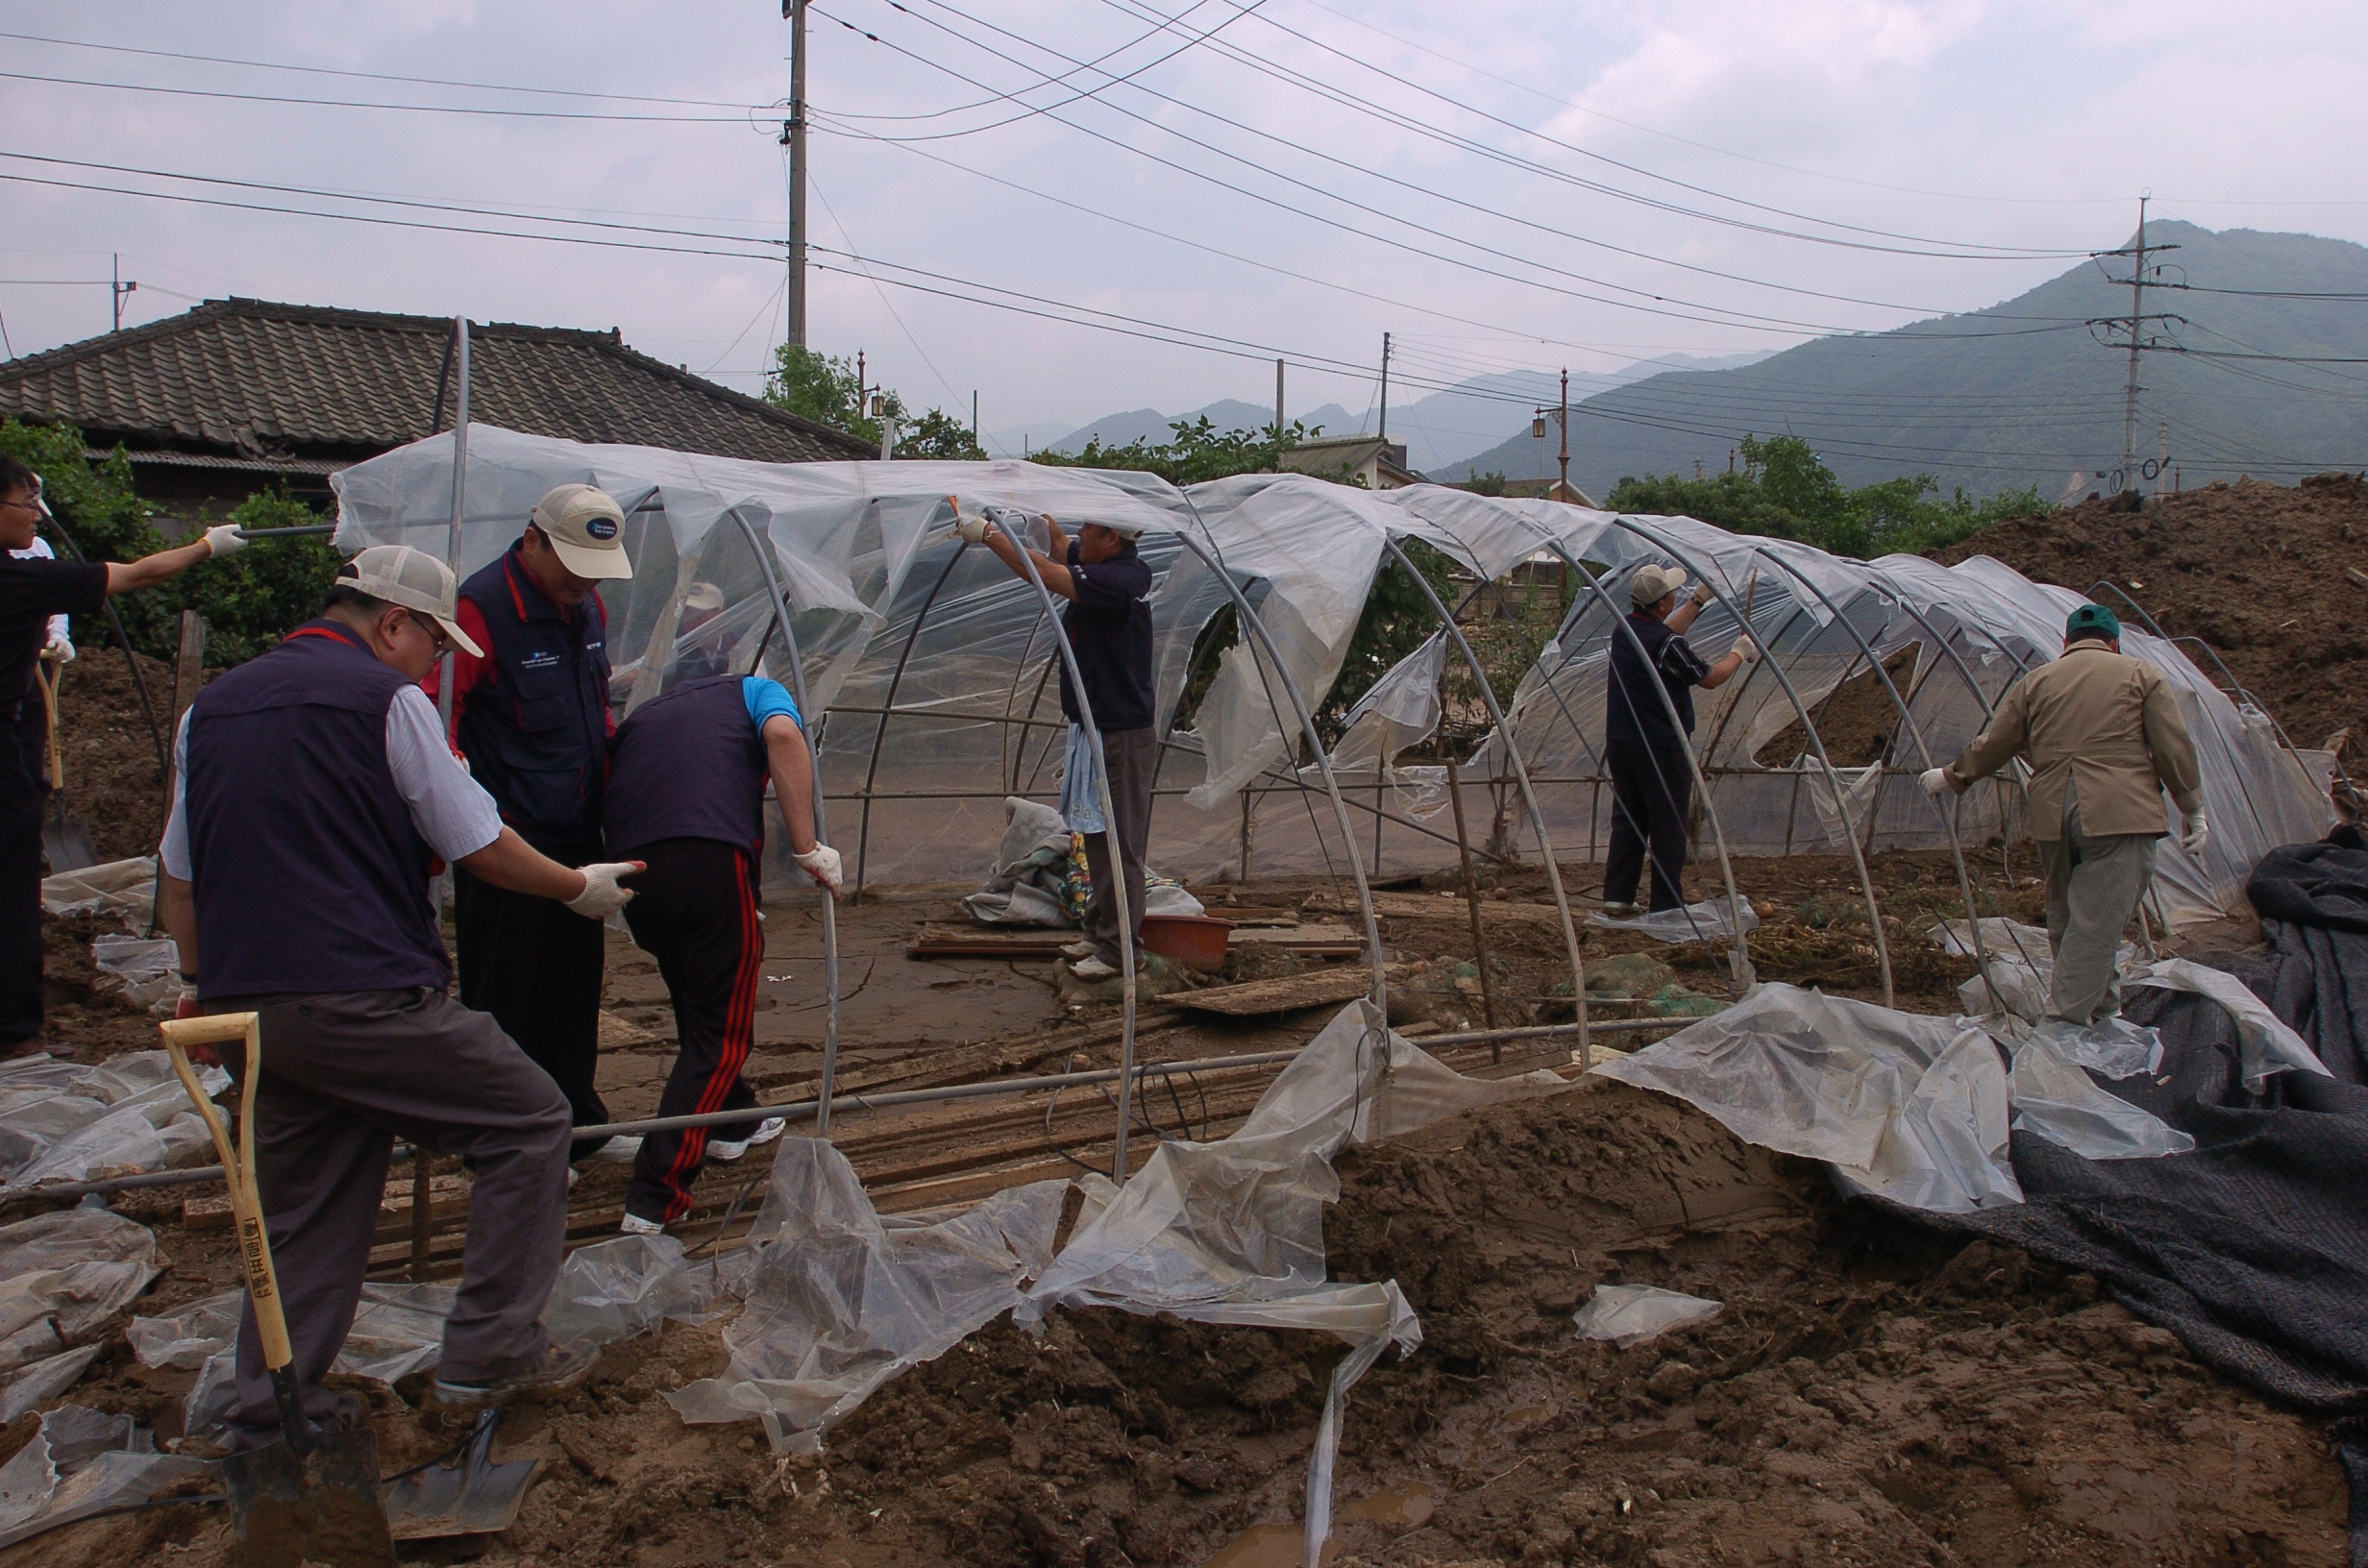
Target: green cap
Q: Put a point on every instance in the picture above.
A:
(2092, 620)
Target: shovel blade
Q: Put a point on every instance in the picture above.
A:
(472, 1497)
(65, 843)
(318, 1507)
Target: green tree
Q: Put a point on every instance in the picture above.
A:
(1490, 484)
(1782, 490)
(939, 434)
(1192, 452)
(824, 389)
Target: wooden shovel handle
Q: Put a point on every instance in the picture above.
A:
(238, 1165)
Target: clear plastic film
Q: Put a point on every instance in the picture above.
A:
(1632, 1314)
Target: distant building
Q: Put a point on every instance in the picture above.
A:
(1365, 460)
(241, 395)
(1540, 490)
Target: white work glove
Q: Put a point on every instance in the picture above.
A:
(973, 530)
(822, 864)
(60, 649)
(1745, 650)
(223, 538)
(2194, 833)
(602, 897)
(1936, 780)
(1701, 594)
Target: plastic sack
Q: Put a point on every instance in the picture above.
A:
(1630, 1314)
(2054, 1100)
(2266, 1043)
(125, 888)
(75, 1268)
(81, 1463)
(1712, 920)
(1910, 1107)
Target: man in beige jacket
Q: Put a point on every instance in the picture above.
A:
(2102, 735)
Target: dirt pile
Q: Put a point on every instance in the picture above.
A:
(113, 781)
(2256, 570)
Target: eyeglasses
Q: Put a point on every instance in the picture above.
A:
(31, 504)
(436, 633)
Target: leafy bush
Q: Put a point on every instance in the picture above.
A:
(825, 388)
(1784, 491)
(1192, 452)
(250, 601)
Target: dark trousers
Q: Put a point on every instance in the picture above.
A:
(535, 966)
(344, 1075)
(1652, 790)
(21, 796)
(1131, 757)
(695, 912)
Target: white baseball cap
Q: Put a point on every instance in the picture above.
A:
(586, 529)
(1654, 584)
(414, 579)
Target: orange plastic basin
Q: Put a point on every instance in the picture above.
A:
(1196, 941)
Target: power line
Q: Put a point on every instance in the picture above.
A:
(348, 103)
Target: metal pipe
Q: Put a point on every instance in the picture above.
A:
(460, 496)
(763, 549)
(888, 704)
(283, 533)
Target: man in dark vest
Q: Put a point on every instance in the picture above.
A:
(315, 793)
(686, 798)
(1653, 673)
(531, 716)
(31, 591)
(1108, 623)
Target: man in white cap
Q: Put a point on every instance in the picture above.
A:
(1648, 727)
(313, 796)
(1108, 623)
(531, 714)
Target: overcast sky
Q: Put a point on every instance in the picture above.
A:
(1776, 169)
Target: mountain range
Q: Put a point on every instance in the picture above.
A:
(2244, 374)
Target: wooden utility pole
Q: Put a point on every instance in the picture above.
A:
(793, 137)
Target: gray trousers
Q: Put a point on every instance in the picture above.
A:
(2093, 888)
(1131, 757)
(345, 1074)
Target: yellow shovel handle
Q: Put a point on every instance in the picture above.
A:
(238, 1165)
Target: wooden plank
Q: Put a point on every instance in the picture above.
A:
(449, 1196)
(1314, 989)
(1445, 906)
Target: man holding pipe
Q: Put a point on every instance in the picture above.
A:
(686, 798)
(531, 716)
(32, 592)
(1108, 624)
(313, 795)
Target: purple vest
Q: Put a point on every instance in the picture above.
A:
(535, 731)
(308, 873)
(687, 765)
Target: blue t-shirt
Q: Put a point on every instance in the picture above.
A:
(766, 698)
(1109, 625)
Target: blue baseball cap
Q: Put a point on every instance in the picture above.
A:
(2092, 621)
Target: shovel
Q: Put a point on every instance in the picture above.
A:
(306, 1497)
(472, 1497)
(66, 841)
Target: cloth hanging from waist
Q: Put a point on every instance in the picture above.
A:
(1081, 784)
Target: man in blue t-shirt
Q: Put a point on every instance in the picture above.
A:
(1652, 678)
(1108, 622)
(686, 789)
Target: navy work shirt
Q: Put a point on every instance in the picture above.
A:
(1109, 626)
(1634, 712)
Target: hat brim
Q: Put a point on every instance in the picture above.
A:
(594, 565)
(460, 639)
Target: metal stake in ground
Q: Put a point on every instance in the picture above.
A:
(1471, 907)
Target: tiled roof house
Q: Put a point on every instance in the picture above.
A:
(239, 394)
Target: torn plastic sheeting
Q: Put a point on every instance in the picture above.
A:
(2001, 936)
(31, 1388)
(1910, 1107)
(81, 1463)
(76, 1268)
(2266, 1044)
(1843, 814)
(126, 888)
(1712, 920)
(67, 1122)
(1630, 1314)
(35, 1341)
(2054, 1099)
(2113, 1046)
(149, 967)
(839, 1302)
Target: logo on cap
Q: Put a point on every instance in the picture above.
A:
(600, 528)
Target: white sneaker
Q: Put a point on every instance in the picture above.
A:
(1622, 912)
(1092, 969)
(573, 1177)
(619, 1150)
(1078, 949)
(766, 1132)
(634, 1225)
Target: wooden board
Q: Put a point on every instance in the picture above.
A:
(1315, 988)
(1435, 906)
(447, 1195)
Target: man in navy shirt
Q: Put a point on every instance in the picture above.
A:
(1108, 622)
(1652, 784)
(32, 590)
(686, 795)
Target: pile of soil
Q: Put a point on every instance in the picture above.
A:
(112, 781)
(1871, 1392)
(2257, 570)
